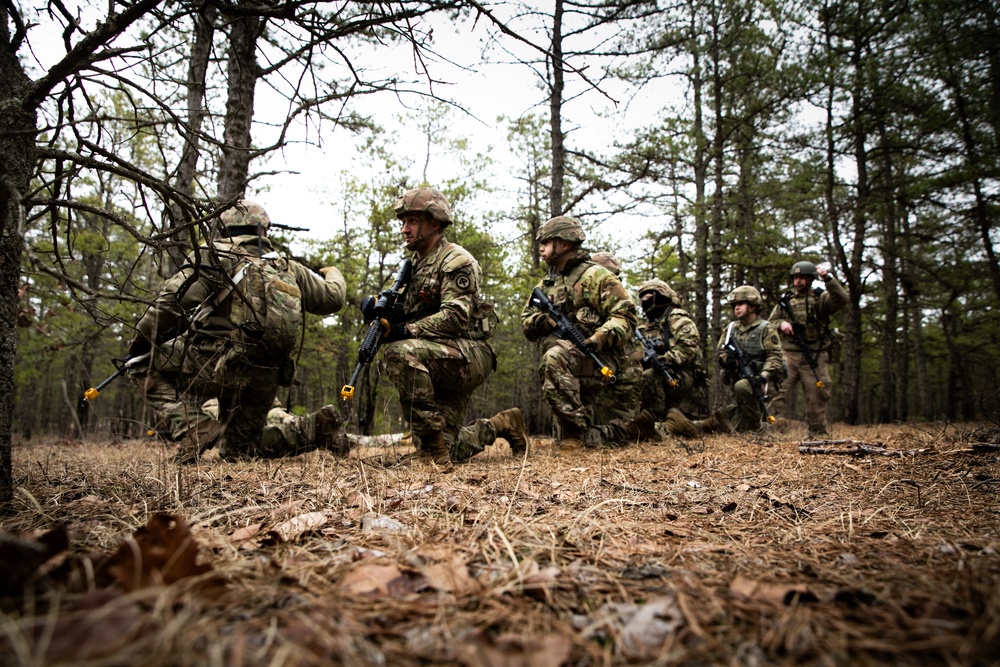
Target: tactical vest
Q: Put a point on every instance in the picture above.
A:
(570, 301)
(752, 343)
(805, 313)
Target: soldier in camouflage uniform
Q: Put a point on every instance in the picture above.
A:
(678, 345)
(217, 357)
(758, 339)
(440, 352)
(593, 299)
(811, 311)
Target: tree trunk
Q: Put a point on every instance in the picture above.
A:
(243, 72)
(187, 169)
(555, 114)
(17, 164)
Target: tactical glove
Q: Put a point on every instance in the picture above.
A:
(367, 307)
(396, 332)
(597, 342)
(542, 324)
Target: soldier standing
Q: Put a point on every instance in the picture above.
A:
(440, 352)
(225, 327)
(596, 303)
(803, 318)
(674, 335)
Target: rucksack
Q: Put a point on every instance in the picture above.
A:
(266, 305)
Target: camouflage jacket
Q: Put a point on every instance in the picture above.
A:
(812, 310)
(593, 299)
(207, 274)
(443, 299)
(759, 341)
(679, 336)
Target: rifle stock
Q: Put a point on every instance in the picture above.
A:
(651, 357)
(565, 330)
(379, 327)
(744, 371)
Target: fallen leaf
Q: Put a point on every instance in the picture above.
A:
(20, 557)
(295, 527)
(160, 553)
(451, 577)
(778, 593)
(512, 650)
(644, 634)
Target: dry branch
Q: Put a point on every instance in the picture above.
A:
(857, 448)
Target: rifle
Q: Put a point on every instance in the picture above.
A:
(564, 329)
(384, 309)
(744, 371)
(799, 338)
(652, 358)
(126, 366)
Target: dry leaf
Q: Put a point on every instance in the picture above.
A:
(452, 577)
(20, 557)
(778, 593)
(378, 581)
(160, 553)
(516, 651)
(295, 527)
(245, 533)
(646, 632)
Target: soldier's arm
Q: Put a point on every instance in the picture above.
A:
(320, 296)
(774, 362)
(777, 316)
(834, 298)
(616, 309)
(459, 289)
(684, 342)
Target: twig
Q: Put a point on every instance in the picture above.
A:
(858, 448)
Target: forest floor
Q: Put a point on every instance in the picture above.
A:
(730, 551)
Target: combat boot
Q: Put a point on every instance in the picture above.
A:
(678, 424)
(434, 448)
(197, 441)
(640, 427)
(509, 425)
(716, 423)
(571, 439)
(328, 433)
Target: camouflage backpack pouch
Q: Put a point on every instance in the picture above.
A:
(267, 308)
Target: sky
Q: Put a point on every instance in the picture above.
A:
(491, 91)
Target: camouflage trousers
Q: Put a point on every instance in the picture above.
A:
(689, 396)
(745, 413)
(577, 395)
(182, 379)
(435, 382)
(799, 372)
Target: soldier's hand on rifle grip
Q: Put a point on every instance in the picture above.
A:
(395, 332)
(542, 324)
(597, 342)
(367, 307)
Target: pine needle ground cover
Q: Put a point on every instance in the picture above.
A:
(729, 551)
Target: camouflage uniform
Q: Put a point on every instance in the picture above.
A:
(445, 354)
(679, 346)
(212, 358)
(595, 301)
(760, 343)
(812, 312)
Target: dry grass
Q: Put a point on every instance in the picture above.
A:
(735, 552)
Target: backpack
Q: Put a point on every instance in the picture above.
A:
(266, 306)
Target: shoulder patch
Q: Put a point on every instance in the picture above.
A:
(463, 281)
(456, 258)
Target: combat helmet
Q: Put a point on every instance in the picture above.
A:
(745, 294)
(660, 287)
(561, 227)
(245, 213)
(804, 269)
(425, 200)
